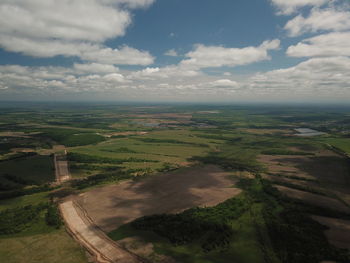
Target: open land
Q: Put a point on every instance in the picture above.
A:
(231, 177)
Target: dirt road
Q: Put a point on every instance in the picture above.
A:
(61, 168)
(92, 238)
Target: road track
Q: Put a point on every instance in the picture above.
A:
(61, 168)
(83, 229)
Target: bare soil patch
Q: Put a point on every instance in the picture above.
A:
(327, 167)
(113, 206)
(339, 230)
(285, 164)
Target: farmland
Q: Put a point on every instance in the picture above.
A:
(139, 170)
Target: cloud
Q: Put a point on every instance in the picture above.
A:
(331, 44)
(328, 19)
(171, 53)
(173, 71)
(288, 7)
(69, 28)
(95, 68)
(217, 56)
(224, 83)
(316, 77)
(123, 56)
(131, 3)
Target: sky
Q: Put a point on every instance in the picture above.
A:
(175, 50)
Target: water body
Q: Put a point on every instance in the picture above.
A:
(307, 132)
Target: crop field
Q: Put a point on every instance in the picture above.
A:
(181, 183)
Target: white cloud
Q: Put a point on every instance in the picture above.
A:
(288, 7)
(224, 83)
(163, 73)
(69, 28)
(65, 19)
(114, 77)
(123, 56)
(171, 53)
(217, 56)
(329, 77)
(332, 44)
(328, 19)
(95, 68)
(317, 78)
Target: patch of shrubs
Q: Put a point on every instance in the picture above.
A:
(52, 216)
(229, 163)
(295, 236)
(208, 226)
(16, 220)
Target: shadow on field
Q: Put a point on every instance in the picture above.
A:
(112, 206)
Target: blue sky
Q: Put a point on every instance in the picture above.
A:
(175, 50)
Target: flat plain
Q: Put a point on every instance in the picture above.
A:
(178, 183)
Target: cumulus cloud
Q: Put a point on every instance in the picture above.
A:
(217, 56)
(329, 19)
(95, 68)
(79, 78)
(317, 76)
(123, 56)
(288, 7)
(224, 83)
(69, 28)
(171, 53)
(331, 44)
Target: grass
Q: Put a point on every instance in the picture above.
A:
(33, 199)
(54, 247)
(162, 147)
(72, 137)
(340, 143)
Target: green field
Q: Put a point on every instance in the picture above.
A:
(107, 143)
(340, 143)
(54, 247)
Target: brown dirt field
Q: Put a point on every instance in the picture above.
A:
(313, 185)
(314, 199)
(327, 167)
(284, 164)
(112, 206)
(339, 230)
